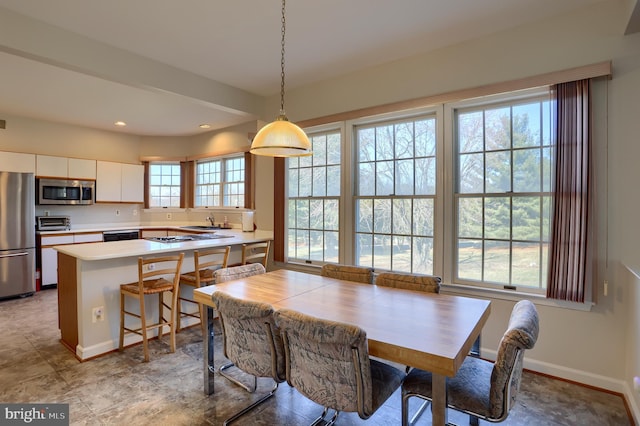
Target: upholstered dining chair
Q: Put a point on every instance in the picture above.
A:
(256, 253)
(416, 282)
(205, 263)
(230, 274)
(483, 389)
(236, 272)
(162, 278)
(359, 274)
(328, 362)
(251, 341)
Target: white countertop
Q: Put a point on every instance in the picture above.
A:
(131, 248)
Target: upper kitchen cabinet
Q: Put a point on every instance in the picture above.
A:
(62, 167)
(17, 162)
(120, 183)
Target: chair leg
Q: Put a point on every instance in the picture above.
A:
(252, 406)
(160, 314)
(143, 328)
(236, 381)
(121, 345)
(405, 409)
(178, 312)
(172, 318)
(322, 420)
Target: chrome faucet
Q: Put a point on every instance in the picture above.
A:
(211, 219)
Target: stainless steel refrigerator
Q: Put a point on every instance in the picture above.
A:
(17, 234)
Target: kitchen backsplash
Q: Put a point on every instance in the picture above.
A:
(134, 214)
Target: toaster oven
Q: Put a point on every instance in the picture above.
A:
(53, 223)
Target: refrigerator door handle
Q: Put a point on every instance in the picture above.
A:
(24, 253)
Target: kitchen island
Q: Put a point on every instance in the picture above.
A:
(89, 278)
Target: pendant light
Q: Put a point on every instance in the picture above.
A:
(281, 138)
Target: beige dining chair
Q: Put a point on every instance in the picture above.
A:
(416, 282)
(256, 253)
(236, 272)
(230, 274)
(328, 362)
(252, 342)
(480, 388)
(359, 274)
(160, 279)
(205, 263)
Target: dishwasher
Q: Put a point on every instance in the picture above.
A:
(120, 235)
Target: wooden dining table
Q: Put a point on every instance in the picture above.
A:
(433, 332)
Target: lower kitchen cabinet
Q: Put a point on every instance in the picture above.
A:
(49, 256)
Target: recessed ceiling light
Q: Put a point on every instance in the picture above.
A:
(120, 123)
(205, 126)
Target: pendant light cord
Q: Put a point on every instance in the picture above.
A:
(282, 63)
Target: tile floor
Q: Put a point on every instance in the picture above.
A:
(118, 389)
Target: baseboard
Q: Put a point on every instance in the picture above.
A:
(102, 348)
(631, 403)
(571, 374)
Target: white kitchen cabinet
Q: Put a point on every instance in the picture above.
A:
(79, 168)
(132, 183)
(117, 182)
(49, 257)
(17, 162)
(92, 237)
(63, 167)
(48, 166)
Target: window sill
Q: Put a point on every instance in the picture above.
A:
(465, 290)
(164, 209)
(220, 208)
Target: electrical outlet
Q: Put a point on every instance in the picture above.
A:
(135, 212)
(97, 314)
(117, 212)
(169, 216)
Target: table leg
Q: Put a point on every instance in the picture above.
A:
(439, 399)
(207, 343)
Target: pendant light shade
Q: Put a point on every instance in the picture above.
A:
(281, 138)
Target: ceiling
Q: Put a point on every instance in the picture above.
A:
(165, 67)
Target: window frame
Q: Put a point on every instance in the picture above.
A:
(394, 118)
(222, 183)
(445, 227)
(326, 129)
(180, 186)
(449, 271)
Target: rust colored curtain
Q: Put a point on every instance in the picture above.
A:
(571, 237)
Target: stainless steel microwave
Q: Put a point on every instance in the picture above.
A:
(65, 191)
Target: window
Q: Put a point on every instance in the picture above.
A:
(314, 200)
(164, 185)
(459, 190)
(502, 199)
(220, 182)
(395, 193)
